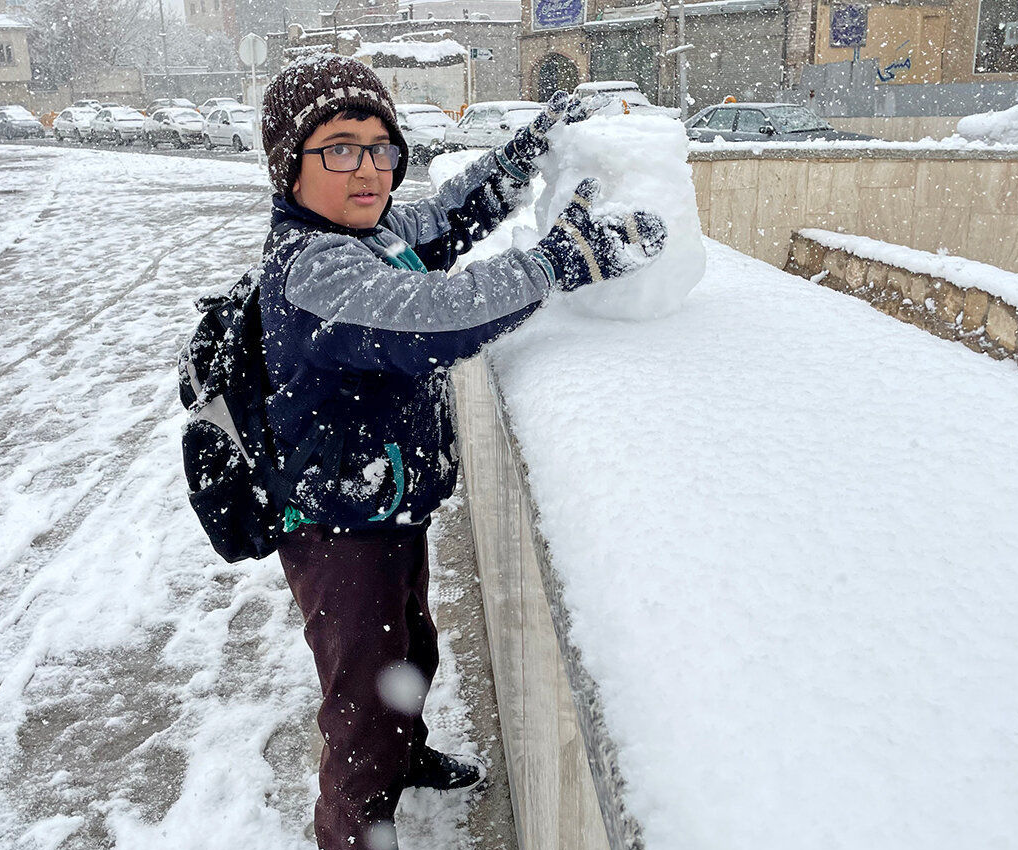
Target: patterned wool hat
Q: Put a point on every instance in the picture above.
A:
(312, 90)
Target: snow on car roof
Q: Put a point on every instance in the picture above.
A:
(417, 107)
(507, 104)
(608, 85)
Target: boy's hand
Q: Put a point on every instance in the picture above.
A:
(582, 248)
(532, 141)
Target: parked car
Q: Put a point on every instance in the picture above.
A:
(120, 124)
(109, 104)
(91, 104)
(491, 123)
(179, 127)
(16, 122)
(164, 102)
(762, 122)
(424, 127)
(215, 103)
(628, 92)
(231, 126)
(73, 123)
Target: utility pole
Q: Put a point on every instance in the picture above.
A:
(166, 64)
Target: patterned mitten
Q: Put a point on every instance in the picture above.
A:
(581, 248)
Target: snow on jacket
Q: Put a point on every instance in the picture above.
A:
(356, 306)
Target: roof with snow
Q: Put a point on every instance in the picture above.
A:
(413, 53)
(7, 22)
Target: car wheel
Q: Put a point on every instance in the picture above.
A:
(180, 143)
(117, 138)
(238, 145)
(208, 142)
(8, 134)
(57, 136)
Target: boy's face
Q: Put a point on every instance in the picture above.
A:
(351, 198)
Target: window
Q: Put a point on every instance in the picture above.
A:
(703, 119)
(997, 39)
(203, 7)
(722, 119)
(6, 53)
(751, 120)
(194, 8)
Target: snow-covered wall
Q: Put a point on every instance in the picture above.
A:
(952, 297)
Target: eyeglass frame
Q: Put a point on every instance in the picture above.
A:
(360, 158)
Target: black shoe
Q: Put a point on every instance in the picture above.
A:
(432, 769)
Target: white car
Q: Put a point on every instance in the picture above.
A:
(491, 123)
(179, 127)
(635, 101)
(423, 127)
(119, 124)
(73, 123)
(214, 103)
(231, 126)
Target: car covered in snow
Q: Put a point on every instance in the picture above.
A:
(94, 105)
(179, 127)
(423, 126)
(230, 126)
(73, 123)
(166, 102)
(763, 122)
(16, 122)
(634, 101)
(491, 123)
(214, 103)
(118, 124)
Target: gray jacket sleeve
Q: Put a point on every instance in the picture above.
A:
(374, 317)
(466, 209)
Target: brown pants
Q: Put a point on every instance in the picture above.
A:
(365, 603)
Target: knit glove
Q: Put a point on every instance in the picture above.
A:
(582, 248)
(531, 141)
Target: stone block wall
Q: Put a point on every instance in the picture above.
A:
(975, 317)
(961, 201)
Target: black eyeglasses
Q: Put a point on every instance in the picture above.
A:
(347, 156)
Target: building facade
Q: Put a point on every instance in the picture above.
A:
(15, 67)
(922, 41)
(738, 47)
(212, 16)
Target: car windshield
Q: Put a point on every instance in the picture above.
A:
(246, 114)
(521, 117)
(416, 120)
(16, 112)
(123, 112)
(795, 119)
(184, 114)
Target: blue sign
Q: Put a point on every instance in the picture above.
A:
(557, 13)
(848, 26)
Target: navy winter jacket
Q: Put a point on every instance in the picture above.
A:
(347, 307)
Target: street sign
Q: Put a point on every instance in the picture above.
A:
(253, 49)
(482, 54)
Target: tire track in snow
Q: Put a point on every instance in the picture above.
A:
(147, 276)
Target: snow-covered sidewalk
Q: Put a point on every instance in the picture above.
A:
(150, 695)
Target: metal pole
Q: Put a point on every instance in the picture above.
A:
(166, 64)
(683, 83)
(258, 113)
(470, 75)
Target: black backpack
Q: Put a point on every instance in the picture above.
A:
(236, 484)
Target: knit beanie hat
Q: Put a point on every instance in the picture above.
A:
(312, 90)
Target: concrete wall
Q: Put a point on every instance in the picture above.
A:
(562, 772)
(903, 129)
(961, 202)
(20, 69)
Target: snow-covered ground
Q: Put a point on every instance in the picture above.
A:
(785, 528)
(993, 127)
(150, 695)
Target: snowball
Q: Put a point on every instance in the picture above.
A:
(402, 687)
(641, 163)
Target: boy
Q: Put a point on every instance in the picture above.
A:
(361, 323)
